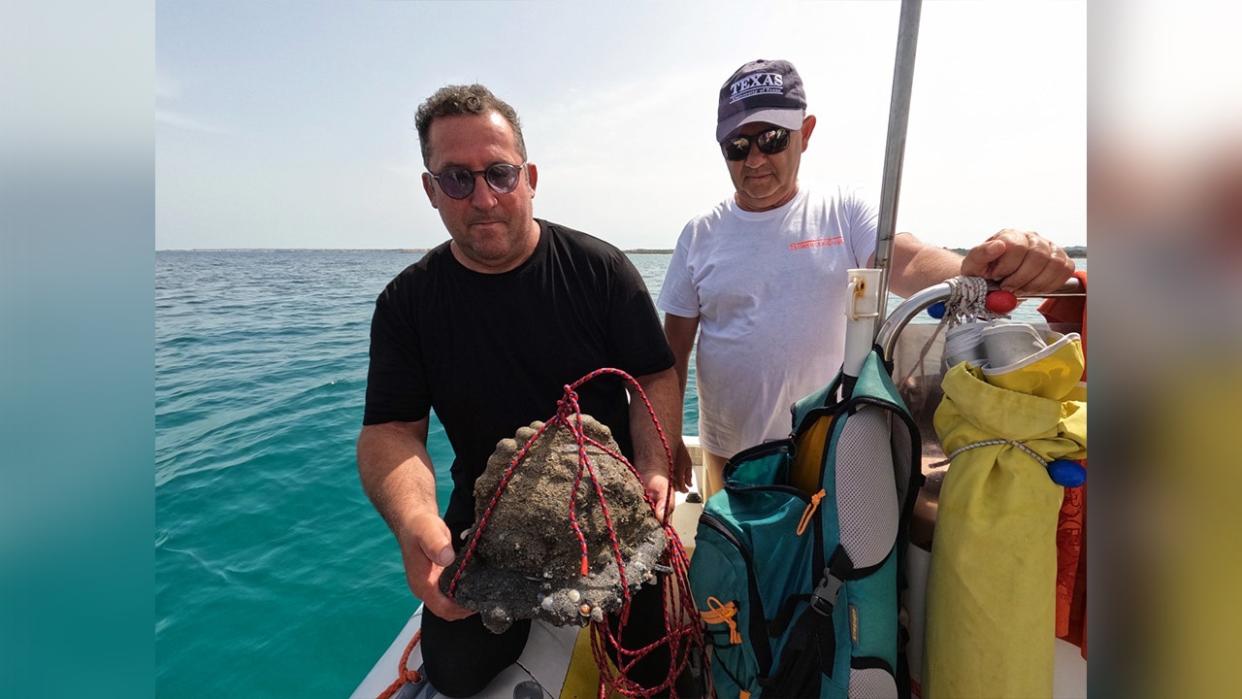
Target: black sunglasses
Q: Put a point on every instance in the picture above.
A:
(772, 141)
(458, 182)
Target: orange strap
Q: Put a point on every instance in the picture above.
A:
(809, 511)
(743, 694)
(718, 613)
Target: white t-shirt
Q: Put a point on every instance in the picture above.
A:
(769, 291)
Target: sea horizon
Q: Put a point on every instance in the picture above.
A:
(1076, 252)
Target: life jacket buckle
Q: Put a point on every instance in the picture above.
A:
(824, 598)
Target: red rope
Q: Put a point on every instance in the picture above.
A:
(404, 674)
(682, 637)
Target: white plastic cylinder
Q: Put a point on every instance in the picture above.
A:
(862, 304)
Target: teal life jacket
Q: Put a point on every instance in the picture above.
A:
(799, 560)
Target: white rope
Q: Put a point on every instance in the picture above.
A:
(967, 302)
(993, 443)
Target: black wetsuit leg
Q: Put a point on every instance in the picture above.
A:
(462, 657)
(645, 626)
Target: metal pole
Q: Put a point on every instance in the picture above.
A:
(894, 151)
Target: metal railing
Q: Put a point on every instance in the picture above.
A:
(901, 316)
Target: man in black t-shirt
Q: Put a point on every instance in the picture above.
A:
(486, 329)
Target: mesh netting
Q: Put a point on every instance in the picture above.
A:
(867, 506)
(871, 683)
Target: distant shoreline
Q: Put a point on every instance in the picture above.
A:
(292, 249)
(1077, 252)
(633, 251)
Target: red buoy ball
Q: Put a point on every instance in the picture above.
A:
(1001, 301)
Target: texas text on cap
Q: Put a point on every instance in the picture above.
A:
(767, 91)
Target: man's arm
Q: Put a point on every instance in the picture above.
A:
(680, 332)
(916, 265)
(649, 458)
(398, 477)
(1019, 261)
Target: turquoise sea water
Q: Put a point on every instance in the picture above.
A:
(274, 575)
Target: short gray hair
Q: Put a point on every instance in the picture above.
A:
(453, 100)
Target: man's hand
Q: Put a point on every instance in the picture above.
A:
(397, 475)
(655, 484)
(683, 467)
(426, 548)
(1022, 262)
(650, 459)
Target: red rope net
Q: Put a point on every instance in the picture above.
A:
(683, 633)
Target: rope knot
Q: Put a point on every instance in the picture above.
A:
(567, 406)
(809, 511)
(718, 612)
(967, 301)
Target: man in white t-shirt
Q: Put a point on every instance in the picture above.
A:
(761, 277)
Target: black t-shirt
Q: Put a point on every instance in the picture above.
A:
(493, 352)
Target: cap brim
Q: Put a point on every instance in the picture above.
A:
(787, 118)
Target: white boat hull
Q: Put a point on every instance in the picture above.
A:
(539, 672)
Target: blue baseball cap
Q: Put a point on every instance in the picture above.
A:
(761, 90)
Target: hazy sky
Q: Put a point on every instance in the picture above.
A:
(282, 124)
